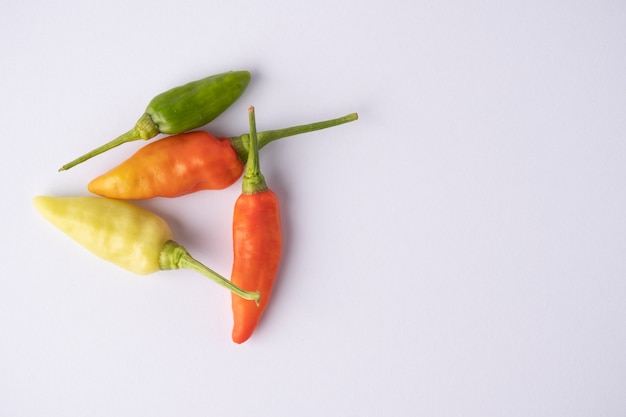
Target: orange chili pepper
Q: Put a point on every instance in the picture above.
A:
(189, 162)
(171, 167)
(257, 242)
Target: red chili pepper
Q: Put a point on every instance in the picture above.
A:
(189, 162)
(257, 242)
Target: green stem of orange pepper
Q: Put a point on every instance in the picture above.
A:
(241, 143)
(257, 242)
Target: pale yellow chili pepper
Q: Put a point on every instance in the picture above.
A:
(126, 235)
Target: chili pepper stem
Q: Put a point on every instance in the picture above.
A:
(241, 144)
(145, 128)
(175, 256)
(271, 135)
(253, 181)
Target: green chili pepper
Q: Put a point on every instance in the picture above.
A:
(126, 235)
(180, 109)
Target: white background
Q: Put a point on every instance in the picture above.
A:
(458, 251)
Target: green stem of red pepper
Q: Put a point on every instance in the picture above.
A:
(253, 180)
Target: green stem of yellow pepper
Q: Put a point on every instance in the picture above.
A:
(175, 256)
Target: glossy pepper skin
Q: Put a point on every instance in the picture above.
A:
(189, 162)
(257, 243)
(180, 109)
(196, 103)
(126, 235)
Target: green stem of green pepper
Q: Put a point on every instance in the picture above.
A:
(175, 256)
(241, 144)
(145, 128)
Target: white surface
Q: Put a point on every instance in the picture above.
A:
(458, 251)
